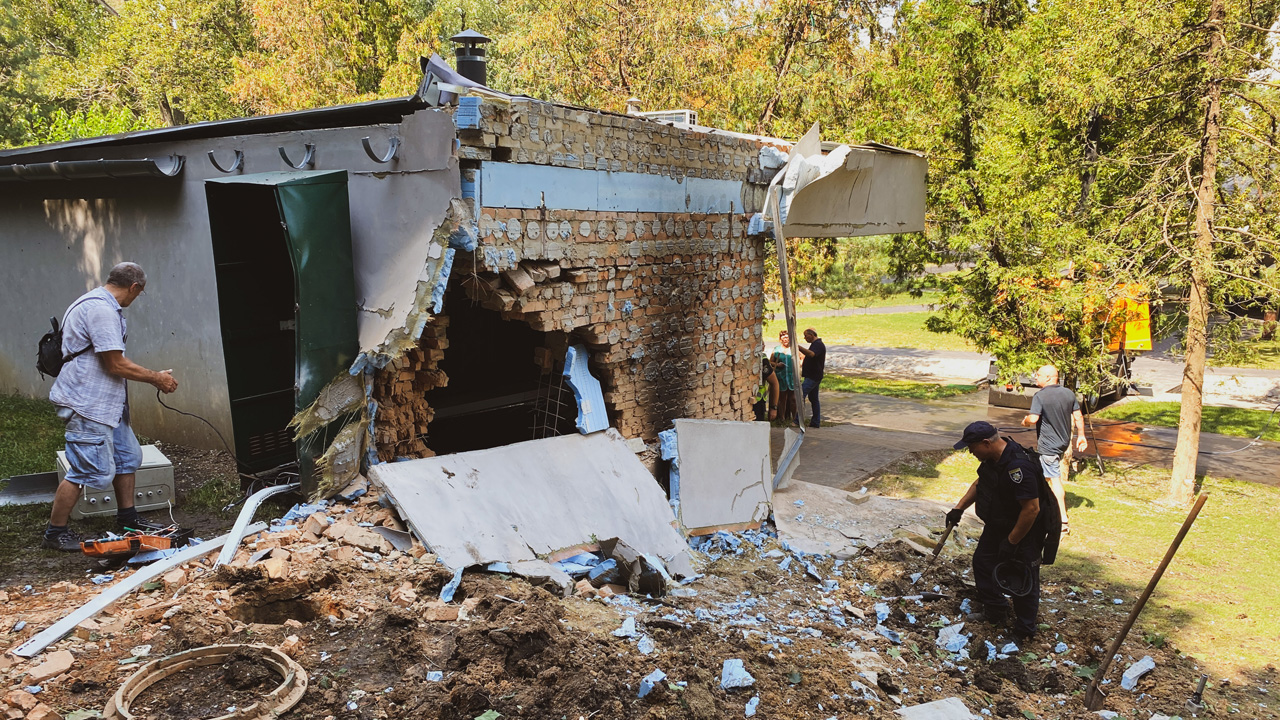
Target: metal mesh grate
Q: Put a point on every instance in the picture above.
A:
(551, 403)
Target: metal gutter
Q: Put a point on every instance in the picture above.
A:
(240, 528)
(168, 167)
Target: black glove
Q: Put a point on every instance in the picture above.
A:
(1008, 550)
(954, 515)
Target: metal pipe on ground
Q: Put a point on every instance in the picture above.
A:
(245, 516)
(1094, 696)
(59, 630)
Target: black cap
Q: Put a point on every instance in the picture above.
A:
(980, 430)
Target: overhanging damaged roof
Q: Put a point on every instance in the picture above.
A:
(167, 167)
(851, 191)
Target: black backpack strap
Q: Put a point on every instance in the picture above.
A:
(68, 358)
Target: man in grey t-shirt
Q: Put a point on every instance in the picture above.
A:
(1054, 409)
(91, 396)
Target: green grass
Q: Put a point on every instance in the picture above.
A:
(812, 304)
(894, 388)
(1238, 422)
(1217, 601)
(30, 436)
(903, 330)
(1268, 355)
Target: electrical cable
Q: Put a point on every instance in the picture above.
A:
(253, 480)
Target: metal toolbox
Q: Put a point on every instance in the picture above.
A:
(153, 488)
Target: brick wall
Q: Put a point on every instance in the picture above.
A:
(669, 304)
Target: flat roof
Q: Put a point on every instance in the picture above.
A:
(373, 112)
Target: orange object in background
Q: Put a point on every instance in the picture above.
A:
(1134, 333)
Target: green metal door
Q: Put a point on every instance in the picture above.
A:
(286, 304)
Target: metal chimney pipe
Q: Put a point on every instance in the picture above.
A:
(469, 53)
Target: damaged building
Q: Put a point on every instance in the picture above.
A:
(457, 270)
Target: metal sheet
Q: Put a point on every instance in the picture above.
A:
(513, 503)
(868, 192)
(515, 185)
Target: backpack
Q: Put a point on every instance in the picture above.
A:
(1049, 513)
(49, 357)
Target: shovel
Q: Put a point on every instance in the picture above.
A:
(938, 549)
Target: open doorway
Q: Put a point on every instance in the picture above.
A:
(286, 305)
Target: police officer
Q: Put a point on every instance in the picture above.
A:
(1008, 493)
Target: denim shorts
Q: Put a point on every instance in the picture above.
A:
(1052, 465)
(96, 452)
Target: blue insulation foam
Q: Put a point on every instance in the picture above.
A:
(586, 391)
(467, 116)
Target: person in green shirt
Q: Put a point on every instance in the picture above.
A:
(785, 369)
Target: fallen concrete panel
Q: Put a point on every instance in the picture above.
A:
(949, 709)
(840, 523)
(725, 472)
(516, 502)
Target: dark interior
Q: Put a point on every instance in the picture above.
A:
(494, 385)
(256, 311)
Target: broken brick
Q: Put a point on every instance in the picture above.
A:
(437, 611)
(174, 579)
(54, 665)
(43, 712)
(21, 699)
(291, 646)
(276, 567)
(315, 524)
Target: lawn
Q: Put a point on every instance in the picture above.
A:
(1217, 601)
(812, 304)
(904, 330)
(894, 388)
(30, 435)
(1238, 422)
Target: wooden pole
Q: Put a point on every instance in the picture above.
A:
(788, 303)
(1093, 696)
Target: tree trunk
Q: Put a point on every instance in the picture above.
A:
(1183, 479)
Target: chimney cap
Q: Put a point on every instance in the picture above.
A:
(470, 36)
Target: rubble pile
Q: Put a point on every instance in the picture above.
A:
(763, 631)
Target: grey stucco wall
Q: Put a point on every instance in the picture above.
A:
(60, 238)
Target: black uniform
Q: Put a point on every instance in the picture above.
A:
(1002, 485)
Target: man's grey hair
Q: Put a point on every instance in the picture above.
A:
(126, 275)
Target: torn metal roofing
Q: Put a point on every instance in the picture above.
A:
(373, 112)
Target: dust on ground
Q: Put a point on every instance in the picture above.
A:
(805, 627)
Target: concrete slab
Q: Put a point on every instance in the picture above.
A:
(949, 709)
(835, 522)
(516, 502)
(726, 476)
(841, 456)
